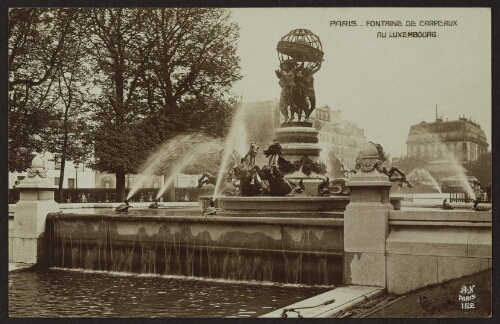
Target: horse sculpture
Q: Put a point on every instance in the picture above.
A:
(246, 173)
(274, 172)
(207, 178)
(249, 158)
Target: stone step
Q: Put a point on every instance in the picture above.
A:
(329, 303)
(19, 266)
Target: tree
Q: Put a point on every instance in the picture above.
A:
(67, 133)
(121, 46)
(36, 39)
(193, 65)
(162, 72)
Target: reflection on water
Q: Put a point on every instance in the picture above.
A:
(63, 293)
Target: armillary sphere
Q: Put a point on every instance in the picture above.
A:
(302, 46)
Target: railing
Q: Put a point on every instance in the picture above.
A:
(94, 195)
(460, 196)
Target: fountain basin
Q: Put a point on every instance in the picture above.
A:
(294, 206)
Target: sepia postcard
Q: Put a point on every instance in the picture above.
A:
(278, 162)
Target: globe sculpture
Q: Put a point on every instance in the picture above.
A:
(300, 55)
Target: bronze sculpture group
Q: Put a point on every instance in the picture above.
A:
(300, 55)
(297, 90)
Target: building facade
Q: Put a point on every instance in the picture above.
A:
(463, 139)
(75, 175)
(343, 138)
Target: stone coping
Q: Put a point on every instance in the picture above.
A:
(282, 214)
(440, 216)
(12, 207)
(296, 129)
(279, 199)
(36, 186)
(279, 204)
(286, 198)
(438, 203)
(275, 221)
(300, 146)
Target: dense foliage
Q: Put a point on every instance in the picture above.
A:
(107, 86)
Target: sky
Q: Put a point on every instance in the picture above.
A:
(384, 85)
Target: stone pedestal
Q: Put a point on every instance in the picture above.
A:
(366, 229)
(36, 201)
(299, 139)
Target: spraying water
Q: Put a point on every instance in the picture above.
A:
(236, 141)
(459, 171)
(168, 152)
(423, 176)
(196, 152)
(436, 144)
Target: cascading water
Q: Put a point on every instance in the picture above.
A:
(201, 247)
(236, 141)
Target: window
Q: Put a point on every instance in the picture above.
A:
(56, 181)
(71, 183)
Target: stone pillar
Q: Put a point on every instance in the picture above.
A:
(366, 225)
(36, 201)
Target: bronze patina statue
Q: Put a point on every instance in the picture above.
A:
(300, 54)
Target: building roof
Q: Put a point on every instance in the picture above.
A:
(465, 130)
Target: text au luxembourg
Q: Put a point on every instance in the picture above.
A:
(394, 23)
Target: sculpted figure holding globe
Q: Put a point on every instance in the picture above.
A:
(300, 54)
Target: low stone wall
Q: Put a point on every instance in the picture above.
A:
(429, 247)
(290, 250)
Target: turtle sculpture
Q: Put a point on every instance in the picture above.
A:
(123, 207)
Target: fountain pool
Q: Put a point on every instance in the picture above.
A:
(77, 293)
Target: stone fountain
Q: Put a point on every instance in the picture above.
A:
(277, 229)
(291, 235)
(294, 155)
